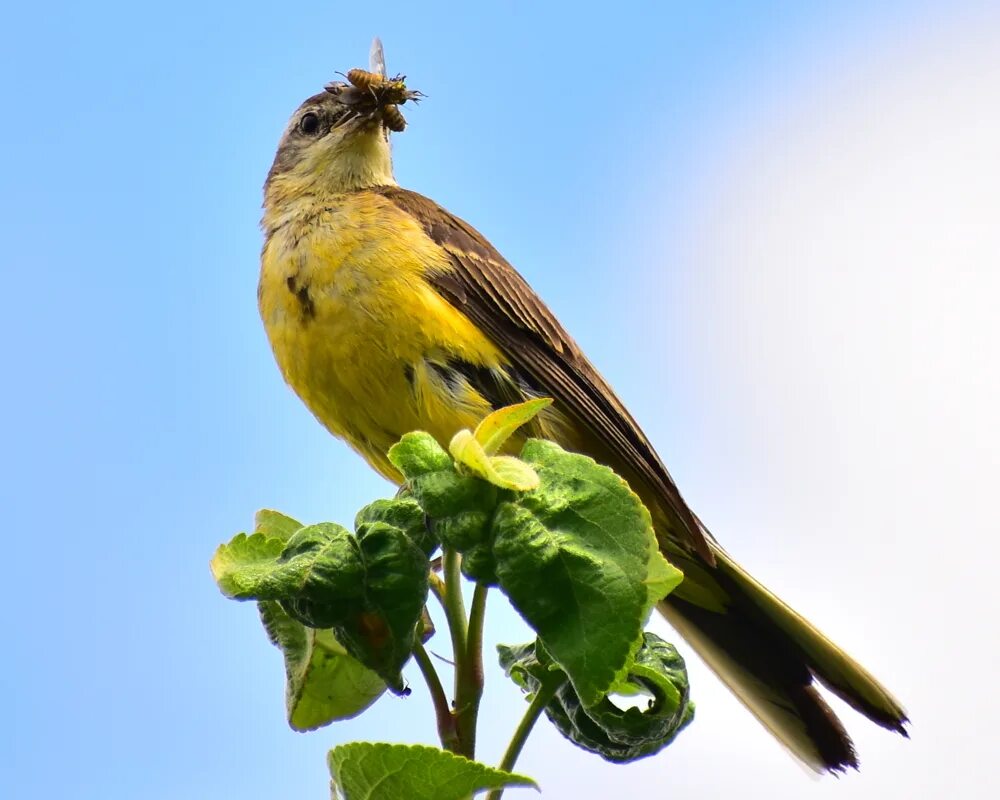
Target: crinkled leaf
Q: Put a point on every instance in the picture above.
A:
(324, 682)
(321, 567)
(499, 426)
(573, 557)
(381, 634)
(403, 513)
(444, 493)
(459, 508)
(369, 588)
(615, 734)
(480, 565)
(464, 530)
(377, 771)
(418, 453)
(506, 472)
(317, 563)
(246, 563)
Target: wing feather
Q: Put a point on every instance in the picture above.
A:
(488, 290)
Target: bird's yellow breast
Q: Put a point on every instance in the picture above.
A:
(356, 329)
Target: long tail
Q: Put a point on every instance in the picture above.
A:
(768, 655)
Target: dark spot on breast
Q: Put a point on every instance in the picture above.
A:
(301, 292)
(408, 373)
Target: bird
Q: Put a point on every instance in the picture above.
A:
(387, 313)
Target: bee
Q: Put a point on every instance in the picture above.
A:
(364, 79)
(383, 89)
(371, 89)
(393, 118)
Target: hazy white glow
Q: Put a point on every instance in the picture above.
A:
(845, 288)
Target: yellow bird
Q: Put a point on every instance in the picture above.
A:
(387, 314)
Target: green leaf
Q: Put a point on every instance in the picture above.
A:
(370, 588)
(574, 558)
(499, 426)
(376, 771)
(529, 666)
(245, 563)
(615, 734)
(322, 568)
(317, 563)
(324, 682)
(662, 578)
(418, 453)
(469, 453)
(404, 514)
(459, 508)
(513, 473)
(275, 524)
(382, 632)
(240, 567)
(444, 493)
(480, 565)
(506, 472)
(625, 735)
(464, 530)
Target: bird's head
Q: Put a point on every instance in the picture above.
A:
(336, 141)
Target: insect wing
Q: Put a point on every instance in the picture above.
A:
(376, 58)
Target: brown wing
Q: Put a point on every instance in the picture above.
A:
(493, 295)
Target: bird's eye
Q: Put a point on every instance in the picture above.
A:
(309, 124)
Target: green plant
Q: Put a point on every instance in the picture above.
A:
(565, 539)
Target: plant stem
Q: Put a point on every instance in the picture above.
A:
(474, 641)
(469, 675)
(454, 610)
(535, 708)
(454, 606)
(447, 732)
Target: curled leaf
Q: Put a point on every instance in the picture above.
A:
(505, 472)
(618, 735)
(499, 426)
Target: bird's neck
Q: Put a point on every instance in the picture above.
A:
(360, 163)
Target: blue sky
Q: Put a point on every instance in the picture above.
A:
(646, 167)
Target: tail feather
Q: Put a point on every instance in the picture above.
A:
(768, 656)
(835, 669)
(768, 684)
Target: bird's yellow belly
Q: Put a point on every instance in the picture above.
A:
(358, 333)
